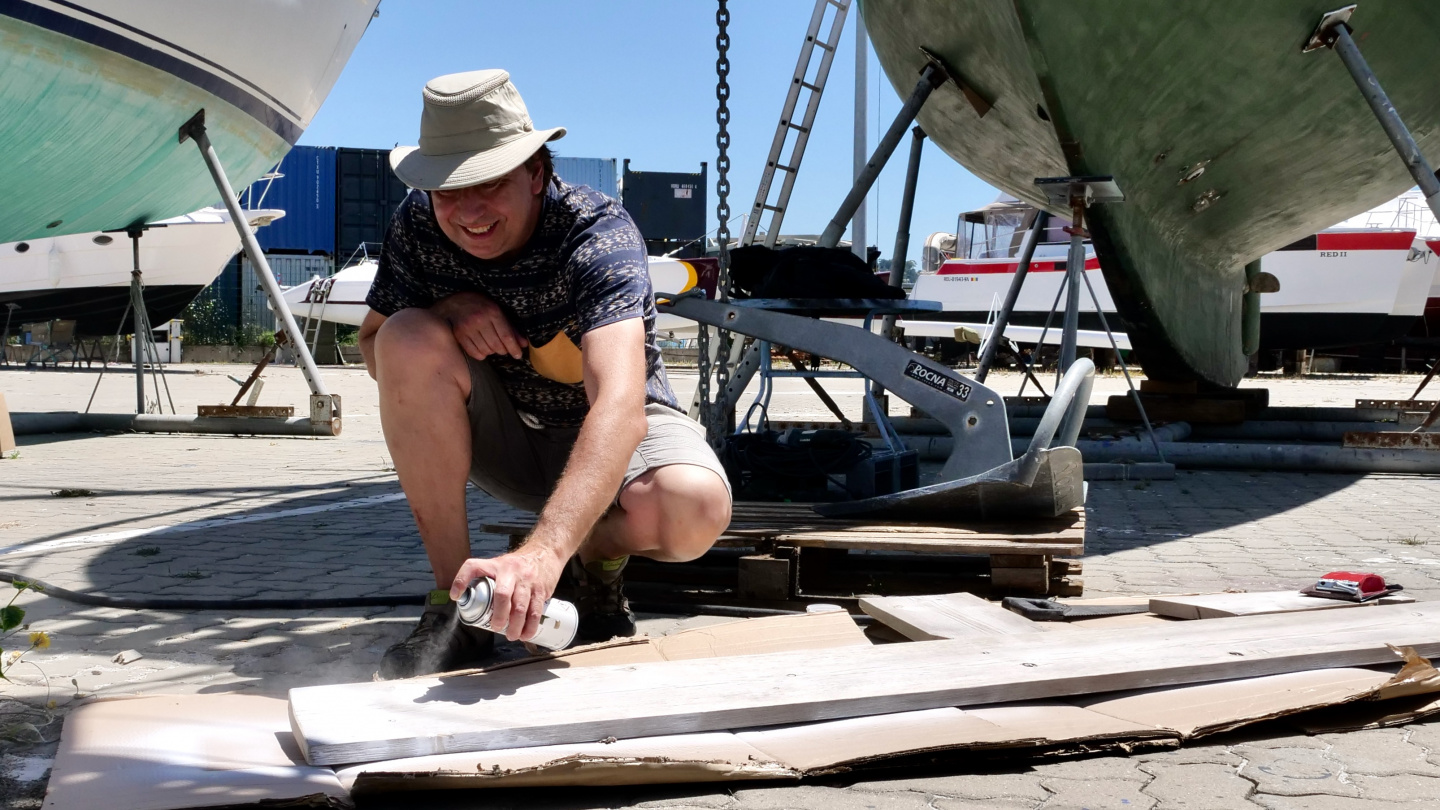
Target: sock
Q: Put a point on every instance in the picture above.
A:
(607, 571)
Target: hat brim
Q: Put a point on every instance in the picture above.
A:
(443, 172)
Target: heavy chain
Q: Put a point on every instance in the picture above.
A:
(715, 420)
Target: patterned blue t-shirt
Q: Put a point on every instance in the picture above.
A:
(583, 268)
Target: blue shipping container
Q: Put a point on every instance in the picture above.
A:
(597, 173)
(306, 192)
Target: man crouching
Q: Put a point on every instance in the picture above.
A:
(512, 335)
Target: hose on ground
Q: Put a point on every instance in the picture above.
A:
(326, 603)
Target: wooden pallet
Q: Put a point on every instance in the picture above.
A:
(800, 555)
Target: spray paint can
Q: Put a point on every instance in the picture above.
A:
(558, 621)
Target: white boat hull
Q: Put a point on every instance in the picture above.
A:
(86, 277)
(1350, 287)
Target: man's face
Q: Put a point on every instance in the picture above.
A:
(493, 220)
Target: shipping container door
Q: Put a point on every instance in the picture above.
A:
(367, 193)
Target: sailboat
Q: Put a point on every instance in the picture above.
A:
(85, 277)
(1227, 139)
(94, 93)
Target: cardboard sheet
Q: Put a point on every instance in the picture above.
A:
(195, 751)
(185, 751)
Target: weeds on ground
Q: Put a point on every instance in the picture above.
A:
(193, 573)
(73, 493)
(12, 621)
(1412, 540)
(146, 551)
(14, 454)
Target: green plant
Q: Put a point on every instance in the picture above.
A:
(1412, 540)
(12, 621)
(73, 493)
(146, 551)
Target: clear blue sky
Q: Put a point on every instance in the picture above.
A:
(636, 79)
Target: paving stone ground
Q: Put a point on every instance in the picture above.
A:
(229, 517)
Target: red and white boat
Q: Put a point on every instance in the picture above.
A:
(1357, 283)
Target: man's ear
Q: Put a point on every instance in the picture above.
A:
(535, 170)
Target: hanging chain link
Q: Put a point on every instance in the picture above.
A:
(715, 420)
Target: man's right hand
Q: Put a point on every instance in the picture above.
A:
(479, 325)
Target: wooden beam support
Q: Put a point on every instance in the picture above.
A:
(508, 708)
(763, 576)
(7, 433)
(946, 615)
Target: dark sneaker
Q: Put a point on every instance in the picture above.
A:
(440, 643)
(600, 600)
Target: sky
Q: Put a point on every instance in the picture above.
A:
(636, 79)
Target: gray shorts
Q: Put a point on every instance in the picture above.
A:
(520, 464)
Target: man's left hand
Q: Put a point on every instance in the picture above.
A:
(524, 582)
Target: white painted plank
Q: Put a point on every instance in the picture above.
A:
(946, 615)
(1221, 605)
(504, 709)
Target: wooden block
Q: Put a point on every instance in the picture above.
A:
(1018, 561)
(1064, 568)
(1070, 586)
(424, 716)
(949, 615)
(1148, 386)
(1392, 440)
(1219, 605)
(763, 576)
(1029, 580)
(7, 433)
(1175, 409)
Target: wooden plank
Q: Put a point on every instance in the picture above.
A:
(509, 708)
(1163, 408)
(1021, 581)
(931, 545)
(1220, 605)
(947, 615)
(1391, 440)
(7, 433)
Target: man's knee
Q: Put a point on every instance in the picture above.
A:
(686, 506)
(416, 341)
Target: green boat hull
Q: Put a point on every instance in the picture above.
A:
(1150, 93)
(90, 142)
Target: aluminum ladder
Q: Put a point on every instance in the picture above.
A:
(791, 164)
(798, 83)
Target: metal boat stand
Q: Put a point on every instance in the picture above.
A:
(324, 407)
(324, 418)
(981, 478)
(1333, 31)
(1077, 194)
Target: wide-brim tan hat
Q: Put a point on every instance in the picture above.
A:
(474, 128)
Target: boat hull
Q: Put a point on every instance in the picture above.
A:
(93, 98)
(1337, 288)
(1227, 141)
(86, 277)
(98, 311)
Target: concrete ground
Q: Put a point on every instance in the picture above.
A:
(227, 517)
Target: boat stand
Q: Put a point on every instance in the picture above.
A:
(1333, 31)
(324, 406)
(1076, 193)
